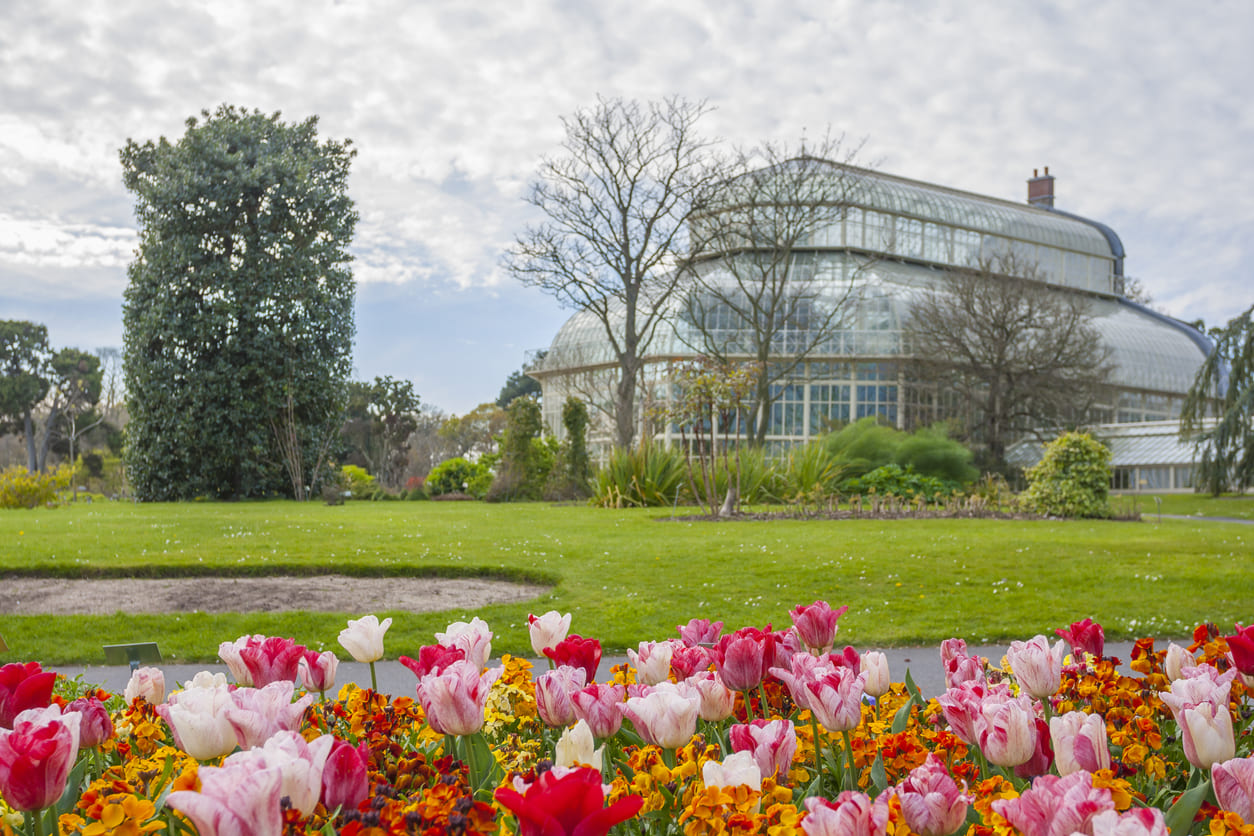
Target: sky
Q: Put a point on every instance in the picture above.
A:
(1140, 109)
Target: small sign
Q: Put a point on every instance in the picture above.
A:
(132, 654)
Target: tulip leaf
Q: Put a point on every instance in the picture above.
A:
(164, 783)
(878, 776)
(915, 693)
(902, 718)
(1180, 817)
(489, 772)
(73, 788)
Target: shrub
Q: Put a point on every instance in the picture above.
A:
(648, 474)
(1072, 479)
(94, 462)
(931, 452)
(894, 480)
(457, 475)
(864, 445)
(568, 478)
(811, 471)
(358, 481)
(19, 488)
(750, 467)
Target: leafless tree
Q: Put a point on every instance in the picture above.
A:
(1023, 356)
(759, 292)
(616, 206)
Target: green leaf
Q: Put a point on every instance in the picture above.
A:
(878, 776)
(1180, 817)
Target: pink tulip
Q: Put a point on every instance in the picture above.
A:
(961, 706)
(743, 657)
(22, 687)
(473, 637)
(852, 814)
(1199, 703)
(735, 770)
(230, 654)
(148, 683)
(700, 631)
(803, 668)
(363, 638)
(601, 707)
(652, 662)
(94, 725)
(256, 714)
(274, 659)
(931, 801)
(578, 652)
(345, 777)
(433, 658)
(1079, 742)
(816, 625)
(547, 630)
(317, 670)
(1085, 636)
(300, 764)
(36, 756)
(666, 717)
(1176, 660)
(240, 800)
(1234, 786)
(836, 699)
(1007, 731)
(875, 665)
(687, 660)
(198, 721)
(773, 744)
(454, 699)
(1137, 821)
(1056, 806)
(554, 690)
(1042, 757)
(959, 667)
(1037, 666)
(717, 700)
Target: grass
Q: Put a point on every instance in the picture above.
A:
(626, 576)
(1198, 505)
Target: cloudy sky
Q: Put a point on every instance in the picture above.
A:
(1141, 110)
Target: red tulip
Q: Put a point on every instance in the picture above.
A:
(1085, 636)
(564, 806)
(743, 657)
(22, 687)
(816, 625)
(1241, 646)
(690, 659)
(345, 779)
(273, 660)
(578, 652)
(433, 658)
(36, 756)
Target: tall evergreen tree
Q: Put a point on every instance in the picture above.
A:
(239, 312)
(1218, 412)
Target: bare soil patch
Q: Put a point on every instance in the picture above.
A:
(321, 593)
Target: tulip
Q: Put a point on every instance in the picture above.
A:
(687, 660)
(742, 658)
(36, 756)
(204, 679)
(666, 717)
(1079, 742)
(816, 625)
(230, 654)
(239, 800)
(875, 665)
(257, 713)
(578, 652)
(317, 670)
(1241, 649)
(363, 638)
(847, 658)
(852, 814)
(1007, 731)
(577, 746)
(1207, 734)
(547, 630)
(570, 804)
(601, 707)
(735, 770)
(836, 699)
(273, 659)
(959, 667)
(345, 776)
(1137, 821)
(473, 637)
(300, 764)
(433, 658)
(1234, 786)
(1085, 636)
(931, 801)
(652, 662)
(198, 721)
(1177, 659)
(700, 631)
(148, 683)
(553, 695)
(961, 707)
(717, 700)
(803, 668)
(1037, 666)
(94, 725)
(1042, 757)
(22, 687)
(1056, 806)
(454, 699)
(773, 743)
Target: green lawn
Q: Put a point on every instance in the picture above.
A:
(1199, 505)
(633, 575)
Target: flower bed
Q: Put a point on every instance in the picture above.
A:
(713, 732)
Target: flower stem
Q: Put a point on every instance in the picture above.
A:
(37, 822)
(851, 782)
(374, 683)
(818, 748)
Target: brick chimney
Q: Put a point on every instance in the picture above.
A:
(1041, 189)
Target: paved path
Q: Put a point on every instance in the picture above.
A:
(394, 678)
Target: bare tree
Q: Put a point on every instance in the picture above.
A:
(1023, 356)
(616, 206)
(759, 292)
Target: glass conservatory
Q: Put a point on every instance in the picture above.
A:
(895, 239)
